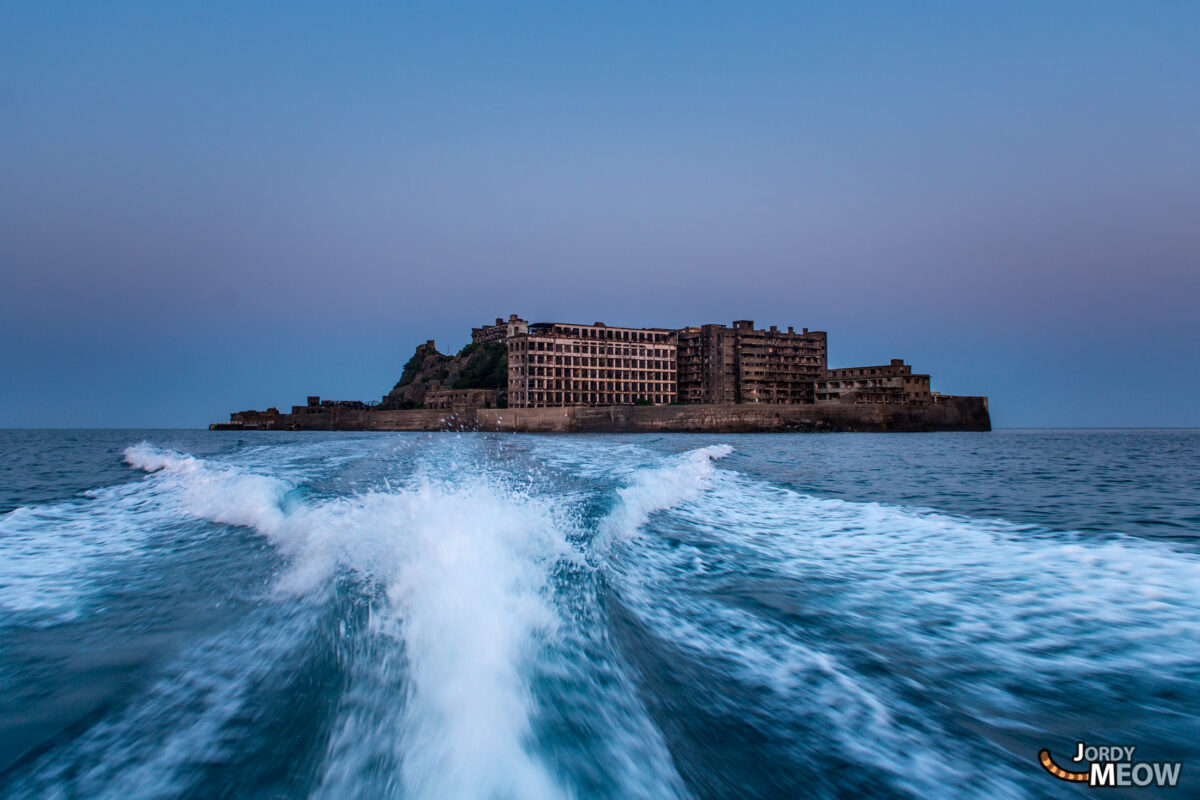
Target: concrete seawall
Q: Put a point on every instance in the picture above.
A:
(947, 414)
(965, 413)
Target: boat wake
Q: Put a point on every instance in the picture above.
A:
(491, 617)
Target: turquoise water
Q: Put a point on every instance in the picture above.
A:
(196, 614)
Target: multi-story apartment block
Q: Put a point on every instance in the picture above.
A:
(893, 383)
(707, 365)
(718, 364)
(560, 364)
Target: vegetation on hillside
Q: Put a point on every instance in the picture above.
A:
(412, 368)
(486, 366)
(476, 366)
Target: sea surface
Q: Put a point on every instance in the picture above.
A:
(365, 615)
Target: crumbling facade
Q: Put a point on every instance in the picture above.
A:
(316, 405)
(891, 383)
(559, 364)
(718, 364)
(707, 365)
(461, 398)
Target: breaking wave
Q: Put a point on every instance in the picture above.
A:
(662, 487)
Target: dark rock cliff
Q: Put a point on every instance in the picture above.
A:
(476, 366)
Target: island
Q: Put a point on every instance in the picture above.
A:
(555, 377)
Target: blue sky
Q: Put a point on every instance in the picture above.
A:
(217, 206)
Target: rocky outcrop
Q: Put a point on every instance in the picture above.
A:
(450, 380)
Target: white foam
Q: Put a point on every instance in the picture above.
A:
(465, 570)
(216, 493)
(54, 557)
(50, 554)
(1032, 606)
(147, 457)
(660, 488)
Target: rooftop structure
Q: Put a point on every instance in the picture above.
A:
(500, 331)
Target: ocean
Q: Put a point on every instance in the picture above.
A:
(359, 615)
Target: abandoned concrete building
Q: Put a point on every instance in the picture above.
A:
(558, 364)
(461, 398)
(718, 364)
(500, 331)
(891, 383)
(563, 364)
(316, 405)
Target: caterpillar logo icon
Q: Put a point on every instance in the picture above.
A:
(1113, 765)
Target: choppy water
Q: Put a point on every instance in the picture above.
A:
(194, 614)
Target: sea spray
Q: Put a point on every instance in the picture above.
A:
(660, 488)
(55, 556)
(464, 570)
(216, 493)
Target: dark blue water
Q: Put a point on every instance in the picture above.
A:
(196, 614)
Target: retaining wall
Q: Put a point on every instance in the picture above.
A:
(947, 414)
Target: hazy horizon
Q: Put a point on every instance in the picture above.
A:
(211, 208)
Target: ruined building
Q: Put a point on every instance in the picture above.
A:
(893, 383)
(557, 364)
(561, 364)
(718, 364)
(500, 331)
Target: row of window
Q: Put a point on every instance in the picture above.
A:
(586, 361)
(543, 346)
(881, 397)
(613, 334)
(597, 385)
(555, 398)
(621, 375)
(866, 382)
(888, 372)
